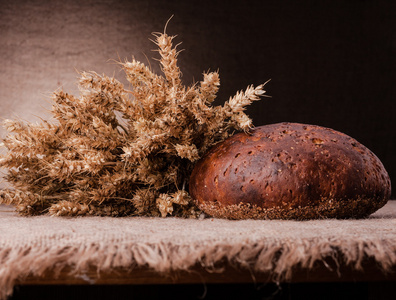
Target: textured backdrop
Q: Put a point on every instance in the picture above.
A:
(331, 63)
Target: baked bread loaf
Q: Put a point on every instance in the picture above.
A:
(290, 171)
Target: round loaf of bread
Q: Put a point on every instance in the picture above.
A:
(290, 171)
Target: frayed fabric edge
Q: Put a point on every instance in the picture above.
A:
(277, 257)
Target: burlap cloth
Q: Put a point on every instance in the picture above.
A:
(32, 245)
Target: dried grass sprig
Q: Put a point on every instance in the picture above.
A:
(117, 151)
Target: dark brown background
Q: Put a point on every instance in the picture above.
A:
(332, 63)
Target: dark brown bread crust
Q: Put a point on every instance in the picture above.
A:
(290, 171)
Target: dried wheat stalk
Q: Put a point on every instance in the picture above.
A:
(117, 152)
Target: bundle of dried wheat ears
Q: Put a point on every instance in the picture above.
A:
(119, 151)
